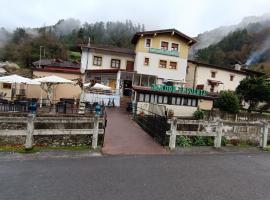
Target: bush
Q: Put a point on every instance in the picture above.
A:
(199, 141)
(183, 141)
(228, 102)
(198, 114)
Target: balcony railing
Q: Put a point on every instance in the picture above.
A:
(164, 52)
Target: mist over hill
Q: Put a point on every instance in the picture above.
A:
(23, 44)
(246, 43)
(216, 35)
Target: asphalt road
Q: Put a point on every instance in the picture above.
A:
(187, 177)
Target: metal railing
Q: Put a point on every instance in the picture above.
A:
(60, 107)
(154, 124)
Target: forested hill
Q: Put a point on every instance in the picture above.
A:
(61, 40)
(250, 46)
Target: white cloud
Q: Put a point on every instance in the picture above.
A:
(191, 17)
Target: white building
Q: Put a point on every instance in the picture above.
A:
(213, 78)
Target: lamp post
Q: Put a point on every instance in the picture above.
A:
(40, 48)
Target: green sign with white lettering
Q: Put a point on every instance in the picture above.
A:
(167, 88)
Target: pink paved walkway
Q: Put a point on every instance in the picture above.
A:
(124, 136)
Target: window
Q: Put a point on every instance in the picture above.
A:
(189, 102)
(178, 101)
(185, 101)
(156, 97)
(148, 42)
(160, 99)
(194, 102)
(173, 100)
(115, 63)
(146, 61)
(173, 65)
(6, 85)
(141, 97)
(152, 100)
(97, 61)
(213, 74)
(231, 77)
(163, 63)
(165, 99)
(164, 45)
(147, 98)
(174, 47)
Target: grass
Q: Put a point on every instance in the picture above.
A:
(268, 148)
(21, 149)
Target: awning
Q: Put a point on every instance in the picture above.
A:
(214, 82)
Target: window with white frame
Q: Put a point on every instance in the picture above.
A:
(175, 47)
(148, 42)
(172, 65)
(146, 61)
(162, 63)
(115, 63)
(164, 45)
(97, 61)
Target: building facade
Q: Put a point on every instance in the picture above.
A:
(162, 53)
(158, 57)
(213, 78)
(65, 69)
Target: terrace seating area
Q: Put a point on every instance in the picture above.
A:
(63, 106)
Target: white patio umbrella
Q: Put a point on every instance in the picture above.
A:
(49, 82)
(18, 80)
(99, 86)
(53, 80)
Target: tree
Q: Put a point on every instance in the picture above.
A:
(228, 102)
(254, 90)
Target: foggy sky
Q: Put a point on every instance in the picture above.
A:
(189, 16)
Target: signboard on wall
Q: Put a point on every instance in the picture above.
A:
(167, 88)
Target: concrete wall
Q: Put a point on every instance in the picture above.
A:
(153, 68)
(88, 57)
(156, 43)
(5, 90)
(181, 111)
(60, 91)
(205, 104)
(177, 74)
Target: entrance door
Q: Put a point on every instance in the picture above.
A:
(130, 66)
(127, 90)
(112, 83)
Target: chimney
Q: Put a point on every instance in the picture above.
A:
(237, 67)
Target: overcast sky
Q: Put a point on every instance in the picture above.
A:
(189, 16)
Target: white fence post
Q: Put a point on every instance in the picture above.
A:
(95, 132)
(261, 136)
(265, 135)
(218, 137)
(173, 134)
(29, 140)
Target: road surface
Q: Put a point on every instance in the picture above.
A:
(150, 177)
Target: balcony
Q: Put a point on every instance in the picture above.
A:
(164, 52)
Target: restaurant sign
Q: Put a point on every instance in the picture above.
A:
(167, 88)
